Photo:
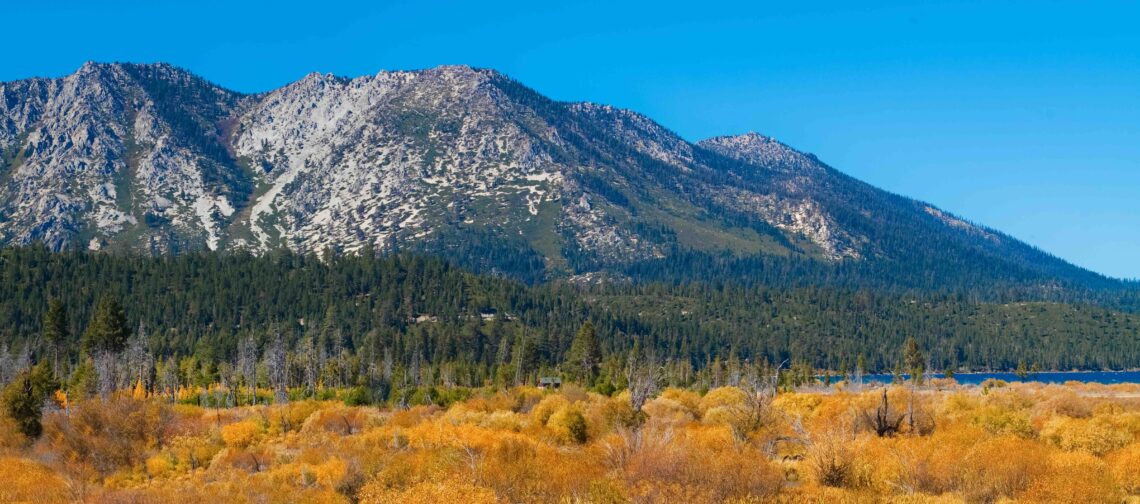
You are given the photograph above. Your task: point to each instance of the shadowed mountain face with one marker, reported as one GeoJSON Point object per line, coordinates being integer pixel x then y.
{"type": "Point", "coordinates": [469, 164]}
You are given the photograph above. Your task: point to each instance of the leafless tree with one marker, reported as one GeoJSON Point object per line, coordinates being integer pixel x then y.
{"type": "Point", "coordinates": [882, 420]}
{"type": "Point", "coordinates": [310, 365]}
{"type": "Point", "coordinates": [139, 362]}
{"type": "Point", "coordinates": [388, 365]}
{"type": "Point", "coordinates": [168, 378]}
{"type": "Point", "coordinates": [247, 365]}
{"type": "Point", "coordinates": [643, 376]}
{"type": "Point", "coordinates": [277, 367]}
{"type": "Point", "coordinates": [106, 372]}
{"type": "Point", "coordinates": [760, 385]}
{"type": "Point", "coordinates": [8, 369]}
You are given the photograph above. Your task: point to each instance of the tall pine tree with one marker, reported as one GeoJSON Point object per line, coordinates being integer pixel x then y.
{"type": "Point", "coordinates": [585, 355]}
{"type": "Point", "coordinates": [24, 398]}
{"type": "Point", "coordinates": [108, 330]}
{"type": "Point", "coordinates": [55, 331]}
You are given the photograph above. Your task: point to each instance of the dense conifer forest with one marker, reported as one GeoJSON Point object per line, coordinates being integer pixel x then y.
{"type": "Point", "coordinates": [400, 321]}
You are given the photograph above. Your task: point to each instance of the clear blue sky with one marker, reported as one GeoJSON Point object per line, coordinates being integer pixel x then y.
{"type": "Point", "coordinates": [1023, 116]}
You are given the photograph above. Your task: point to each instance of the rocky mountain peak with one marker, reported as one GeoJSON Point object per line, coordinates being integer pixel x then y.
{"type": "Point", "coordinates": [453, 159]}
{"type": "Point", "coordinates": [762, 151]}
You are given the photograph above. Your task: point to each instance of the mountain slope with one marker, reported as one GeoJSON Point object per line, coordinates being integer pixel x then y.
{"type": "Point", "coordinates": [467, 163]}
{"type": "Point", "coordinates": [124, 154]}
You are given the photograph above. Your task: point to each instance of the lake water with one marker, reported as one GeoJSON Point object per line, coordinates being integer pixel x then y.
{"type": "Point", "coordinates": [1106, 377]}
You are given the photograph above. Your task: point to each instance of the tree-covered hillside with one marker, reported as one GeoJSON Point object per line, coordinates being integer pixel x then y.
{"type": "Point", "coordinates": [414, 312]}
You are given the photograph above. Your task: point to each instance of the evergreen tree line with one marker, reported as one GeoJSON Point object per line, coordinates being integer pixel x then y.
{"type": "Point", "coordinates": [401, 324]}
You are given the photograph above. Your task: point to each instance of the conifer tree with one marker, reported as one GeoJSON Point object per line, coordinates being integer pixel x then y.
{"type": "Point", "coordinates": [585, 355]}
{"type": "Point", "coordinates": [55, 330]}
{"type": "Point", "coordinates": [914, 360]}
{"type": "Point", "coordinates": [108, 330]}
{"type": "Point", "coordinates": [24, 398]}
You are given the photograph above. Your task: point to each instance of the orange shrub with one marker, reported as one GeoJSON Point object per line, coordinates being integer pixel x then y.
{"type": "Point", "coordinates": [337, 420]}
{"type": "Point", "coordinates": [668, 410]}
{"type": "Point", "coordinates": [22, 480]}
{"type": "Point", "coordinates": [1125, 466]}
{"type": "Point", "coordinates": [10, 436]}
{"type": "Point", "coordinates": [687, 399]}
{"type": "Point", "coordinates": [832, 460]}
{"type": "Point", "coordinates": [249, 460]}
{"type": "Point", "coordinates": [701, 464]}
{"type": "Point", "coordinates": [1074, 477]}
{"type": "Point", "coordinates": [1022, 442]}
{"type": "Point", "coordinates": [108, 435]}
{"type": "Point", "coordinates": [998, 467]}
{"type": "Point", "coordinates": [427, 492]}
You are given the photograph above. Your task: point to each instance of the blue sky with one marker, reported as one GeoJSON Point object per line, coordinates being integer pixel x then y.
{"type": "Point", "coordinates": [1023, 116]}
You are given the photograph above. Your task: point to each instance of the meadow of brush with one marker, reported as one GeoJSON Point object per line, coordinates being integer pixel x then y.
{"type": "Point", "coordinates": [940, 442]}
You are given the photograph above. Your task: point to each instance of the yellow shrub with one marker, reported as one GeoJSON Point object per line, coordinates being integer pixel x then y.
{"type": "Point", "coordinates": [428, 492]}
{"type": "Point", "coordinates": [1097, 436]}
{"type": "Point", "coordinates": [540, 413]}
{"type": "Point", "coordinates": [721, 397]}
{"type": "Point", "coordinates": [503, 420]}
{"type": "Point", "coordinates": [331, 472]}
{"type": "Point", "coordinates": [667, 410]}
{"type": "Point", "coordinates": [290, 416]}
{"type": "Point", "coordinates": [687, 399]}
{"type": "Point", "coordinates": [241, 434]}
{"type": "Point", "coordinates": [191, 452]}
{"type": "Point", "coordinates": [158, 466]}
{"type": "Point", "coordinates": [797, 405]}
{"type": "Point", "coordinates": [605, 413]}
{"type": "Point", "coordinates": [958, 404]}
{"type": "Point", "coordinates": [1125, 466]}
{"type": "Point", "coordinates": [569, 424]}
{"type": "Point", "coordinates": [723, 415]}
{"type": "Point", "coordinates": [1001, 421]}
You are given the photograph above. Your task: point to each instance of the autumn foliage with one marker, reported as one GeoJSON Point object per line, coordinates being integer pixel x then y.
{"type": "Point", "coordinates": [1019, 442]}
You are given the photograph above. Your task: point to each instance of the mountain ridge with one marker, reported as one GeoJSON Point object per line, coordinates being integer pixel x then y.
{"type": "Point", "coordinates": [458, 160]}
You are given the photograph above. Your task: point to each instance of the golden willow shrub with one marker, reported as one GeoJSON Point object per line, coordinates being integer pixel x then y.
{"type": "Point", "coordinates": [23, 480]}
{"type": "Point", "coordinates": [1020, 442]}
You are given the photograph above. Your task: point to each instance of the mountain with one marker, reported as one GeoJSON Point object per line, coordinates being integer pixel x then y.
{"type": "Point", "coordinates": [469, 164]}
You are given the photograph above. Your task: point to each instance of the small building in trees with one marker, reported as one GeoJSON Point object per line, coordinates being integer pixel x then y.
{"type": "Point", "coordinates": [550, 382]}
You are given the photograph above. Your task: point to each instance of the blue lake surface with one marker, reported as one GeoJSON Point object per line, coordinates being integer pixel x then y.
{"type": "Point", "coordinates": [1106, 377]}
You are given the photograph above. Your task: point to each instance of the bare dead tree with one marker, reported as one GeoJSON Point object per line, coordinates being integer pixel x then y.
{"type": "Point", "coordinates": [388, 364]}
{"type": "Point", "coordinates": [310, 363]}
{"type": "Point", "coordinates": [139, 361]}
{"type": "Point", "coordinates": [8, 369]}
{"type": "Point", "coordinates": [106, 372]}
{"type": "Point", "coordinates": [277, 366]}
{"type": "Point", "coordinates": [882, 420]}
{"type": "Point", "coordinates": [760, 385]}
{"type": "Point", "coordinates": [643, 377]}
{"type": "Point", "coordinates": [168, 378]}
{"type": "Point", "coordinates": [247, 366]}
